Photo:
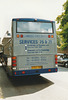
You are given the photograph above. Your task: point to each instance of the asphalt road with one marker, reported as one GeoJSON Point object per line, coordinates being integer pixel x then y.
{"type": "Point", "coordinates": [52, 86]}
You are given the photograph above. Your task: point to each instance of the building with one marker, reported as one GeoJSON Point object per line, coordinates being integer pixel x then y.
{"type": "Point", "coordinates": [6, 43]}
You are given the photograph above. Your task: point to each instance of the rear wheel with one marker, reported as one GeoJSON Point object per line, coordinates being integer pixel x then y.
{"type": "Point", "coordinates": [66, 64]}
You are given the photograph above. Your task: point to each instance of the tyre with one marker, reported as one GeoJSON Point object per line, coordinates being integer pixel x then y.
{"type": "Point", "coordinates": [66, 64]}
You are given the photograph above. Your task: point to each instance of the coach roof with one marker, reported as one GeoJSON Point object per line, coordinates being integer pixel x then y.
{"type": "Point", "coordinates": [31, 19]}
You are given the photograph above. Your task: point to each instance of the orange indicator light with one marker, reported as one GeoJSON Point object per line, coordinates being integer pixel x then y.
{"type": "Point", "coordinates": [52, 36]}
{"type": "Point", "coordinates": [55, 56]}
{"type": "Point", "coordinates": [17, 35]}
{"type": "Point", "coordinates": [13, 57]}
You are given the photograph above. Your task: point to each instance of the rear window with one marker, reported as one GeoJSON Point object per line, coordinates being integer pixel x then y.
{"type": "Point", "coordinates": [43, 27]}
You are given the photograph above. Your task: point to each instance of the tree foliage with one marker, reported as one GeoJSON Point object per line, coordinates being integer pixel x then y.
{"type": "Point", "coordinates": [58, 40]}
{"type": "Point", "coordinates": [63, 20]}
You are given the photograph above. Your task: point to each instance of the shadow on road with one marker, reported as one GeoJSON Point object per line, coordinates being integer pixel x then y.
{"type": "Point", "coordinates": [21, 85]}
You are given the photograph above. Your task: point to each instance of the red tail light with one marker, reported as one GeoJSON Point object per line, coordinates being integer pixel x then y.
{"type": "Point", "coordinates": [48, 36]}
{"type": "Point", "coordinates": [13, 65]}
{"type": "Point", "coordinates": [14, 61]}
{"type": "Point", "coordinates": [49, 70]}
{"type": "Point", "coordinates": [56, 70]}
{"type": "Point", "coordinates": [55, 59]}
{"type": "Point", "coordinates": [23, 72]}
{"type": "Point", "coordinates": [55, 62]}
{"type": "Point", "coordinates": [15, 73]}
{"type": "Point", "coordinates": [21, 36]}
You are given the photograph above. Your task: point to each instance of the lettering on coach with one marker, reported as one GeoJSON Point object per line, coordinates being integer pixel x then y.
{"type": "Point", "coordinates": [35, 42]}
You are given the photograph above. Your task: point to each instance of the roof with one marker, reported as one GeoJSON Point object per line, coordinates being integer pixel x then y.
{"type": "Point", "coordinates": [31, 19]}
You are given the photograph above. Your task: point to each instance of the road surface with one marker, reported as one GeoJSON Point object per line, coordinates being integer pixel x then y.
{"type": "Point", "coordinates": [53, 86]}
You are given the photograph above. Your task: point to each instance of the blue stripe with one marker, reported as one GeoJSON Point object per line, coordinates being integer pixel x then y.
{"type": "Point", "coordinates": [31, 19]}
{"type": "Point", "coordinates": [34, 71]}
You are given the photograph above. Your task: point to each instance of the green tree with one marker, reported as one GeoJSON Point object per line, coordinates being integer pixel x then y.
{"type": "Point", "coordinates": [58, 38]}
{"type": "Point", "coordinates": [58, 41]}
{"type": "Point", "coordinates": [63, 20]}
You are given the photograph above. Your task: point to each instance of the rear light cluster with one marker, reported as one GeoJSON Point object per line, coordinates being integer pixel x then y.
{"type": "Point", "coordinates": [50, 36]}
{"type": "Point", "coordinates": [14, 62]}
{"type": "Point", "coordinates": [55, 59]}
{"type": "Point", "coordinates": [49, 70]}
{"type": "Point", "coordinates": [21, 36]}
{"type": "Point", "coordinates": [16, 73]}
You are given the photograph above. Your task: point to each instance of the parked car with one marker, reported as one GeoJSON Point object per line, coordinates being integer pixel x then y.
{"type": "Point", "coordinates": [62, 59]}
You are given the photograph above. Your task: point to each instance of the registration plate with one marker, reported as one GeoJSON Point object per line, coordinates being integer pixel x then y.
{"type": "Point", "coordinates": [36, 67]}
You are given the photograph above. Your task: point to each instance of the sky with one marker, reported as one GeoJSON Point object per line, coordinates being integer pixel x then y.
{"type": "Point", "coordinates": [44, 9]}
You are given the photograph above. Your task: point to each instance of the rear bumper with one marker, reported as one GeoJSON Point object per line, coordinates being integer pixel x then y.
{"type": "Point", "coordinates": [34, 71]}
